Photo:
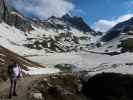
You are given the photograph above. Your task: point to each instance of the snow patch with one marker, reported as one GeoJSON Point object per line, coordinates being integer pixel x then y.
{"type": "Point", "coordinates": [41, 71]}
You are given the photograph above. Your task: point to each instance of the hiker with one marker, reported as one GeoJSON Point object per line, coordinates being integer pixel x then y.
{"type": "Point", "coordinates": [15, 72]}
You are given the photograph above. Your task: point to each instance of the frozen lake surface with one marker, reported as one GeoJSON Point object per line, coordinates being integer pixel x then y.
{"type": "Point", "coordinates": [96, 63]}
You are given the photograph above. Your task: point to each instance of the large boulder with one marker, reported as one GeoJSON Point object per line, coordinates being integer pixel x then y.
{"type": "Point", "coordinates": [109, 86]}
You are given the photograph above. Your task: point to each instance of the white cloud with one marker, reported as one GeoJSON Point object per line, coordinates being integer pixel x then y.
{"type": "Point", "coordinates": [43, 8]}
{"type": "Point", "coordinates": [105, 25]}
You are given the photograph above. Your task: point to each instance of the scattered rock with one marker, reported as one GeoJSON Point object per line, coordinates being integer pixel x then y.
{"type": "Point", "coordinates": [36, 96]}
{"type": "Point", "coordinates": [65, 67]}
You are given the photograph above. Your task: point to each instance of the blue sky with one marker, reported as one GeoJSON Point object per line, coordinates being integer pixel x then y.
{"type": "Point", "coordinates": [95, 10]}
{"type": "Point", "coordinates": [102, 9]}
{"type": "Point", "coordinates": [99, 14]}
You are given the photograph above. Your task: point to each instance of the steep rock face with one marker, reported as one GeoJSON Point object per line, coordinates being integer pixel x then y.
{"type": "Point", "coordinates": [16, 20]}
{"type": "Point", "coordinates": [9, 15]}
{"type": "Point", "coordinates": [77, 22]}
{"type": "Point", "coordinates": [3, 9]}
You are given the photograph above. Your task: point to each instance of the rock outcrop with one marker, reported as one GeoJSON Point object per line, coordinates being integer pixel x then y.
{"type": "Point", "coordinates": [12, 17]}
{"type": "Point", "coordinates": [56, 87]}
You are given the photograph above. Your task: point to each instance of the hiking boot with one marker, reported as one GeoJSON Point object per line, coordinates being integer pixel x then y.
{"type": "Point", "coordinates": [14, 94]}
{"type": "Point", "coordinates": [10, 96]}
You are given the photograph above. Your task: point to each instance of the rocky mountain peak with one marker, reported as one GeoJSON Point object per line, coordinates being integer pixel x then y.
{"type": "Point", "coordinates": [77, 22]}
{"type": "Point", "coordinates": [123, 27]}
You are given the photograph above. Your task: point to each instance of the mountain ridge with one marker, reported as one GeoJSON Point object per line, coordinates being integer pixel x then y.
{"type": "Point", "coordinates": [122, 27]}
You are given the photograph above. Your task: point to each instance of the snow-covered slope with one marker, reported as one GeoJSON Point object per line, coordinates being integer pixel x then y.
{"type": "Point", "coordinates": [13, 39]}
{"type": "Point", "coordinates": [119, 38]}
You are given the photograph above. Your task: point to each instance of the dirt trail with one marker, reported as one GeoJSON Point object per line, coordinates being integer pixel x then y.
{"type": "Point", "coordinates": [22, 87]}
